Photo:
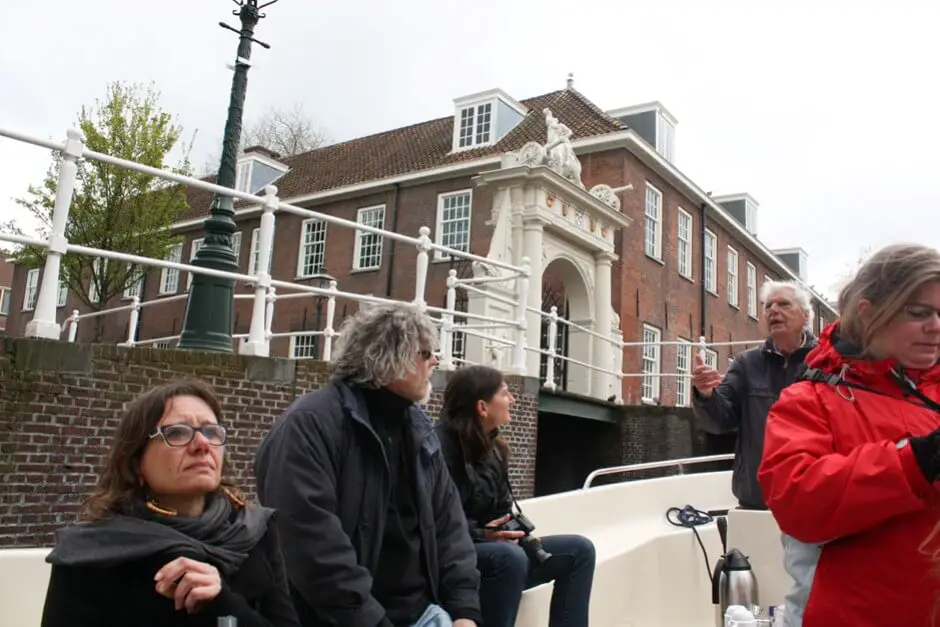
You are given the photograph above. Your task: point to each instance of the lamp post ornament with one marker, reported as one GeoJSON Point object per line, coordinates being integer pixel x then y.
{"type": "Point", "coordinates": [209, 310]}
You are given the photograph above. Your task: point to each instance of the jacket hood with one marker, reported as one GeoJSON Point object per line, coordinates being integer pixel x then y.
{"type": "Point", "coordinates": [836, 354]}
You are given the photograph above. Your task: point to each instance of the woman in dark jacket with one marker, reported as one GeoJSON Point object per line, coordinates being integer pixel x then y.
{"type": "Point", "coordinates": [166, 540]}
{"type": "Point", "coordinates": [476, 404]}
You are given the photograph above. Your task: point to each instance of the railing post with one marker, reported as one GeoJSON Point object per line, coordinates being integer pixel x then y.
{"type": "Point", "coordinates": [43, 323]}
{"type": "Point", "coordinates": [132, 322]}
{"type": "Point", "coordinates": [328, 331]}
{"type": "Point", "coordinates": [73, 325]}
{"type": "Point", "coordinates": [447, 323]}
{"type": "Point", "coordinates": [421, 267]}
{"type": "Point", "coordinates": [701, 347]}
{"type": "Point", "coordinates": [257, 343]}
{"type": "Point", "coordinates": [522, 298]}
{"type": "Point", "coordinates": [552, 336]}
{"type": "Point", "coordinates": [270, 301]}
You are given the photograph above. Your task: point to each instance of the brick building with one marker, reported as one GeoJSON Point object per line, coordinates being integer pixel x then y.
{"type": "Point", "coordinates": [690, 264]}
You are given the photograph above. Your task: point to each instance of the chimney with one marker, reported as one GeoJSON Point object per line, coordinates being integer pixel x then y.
{"type": "Point", "coordinates": [261, 150]}
{"type": "Point", "coordinates": [570, 82]}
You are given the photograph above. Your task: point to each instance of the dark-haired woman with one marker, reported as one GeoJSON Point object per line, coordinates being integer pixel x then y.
{"type": "Point", "coordinates": [476, 404]}
{"type": "Point", "coordinates": [166, 540]}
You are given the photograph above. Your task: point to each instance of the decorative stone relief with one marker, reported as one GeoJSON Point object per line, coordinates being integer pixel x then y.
{"type": "Point", "coordinates": [606, 195]}
{"type": "Point", "coordinates": [557, 153]}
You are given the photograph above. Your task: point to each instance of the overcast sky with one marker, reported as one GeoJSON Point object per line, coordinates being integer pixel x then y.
{"type": "Point", "coordinates": [825, 111]}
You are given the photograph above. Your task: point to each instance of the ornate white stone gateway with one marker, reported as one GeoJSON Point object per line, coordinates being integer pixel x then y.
{"type": "Point", "coordinates": [541, 210]}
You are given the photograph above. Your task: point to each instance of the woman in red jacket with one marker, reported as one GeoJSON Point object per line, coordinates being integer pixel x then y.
{"type": "Point", "coordinates": [851, 456]}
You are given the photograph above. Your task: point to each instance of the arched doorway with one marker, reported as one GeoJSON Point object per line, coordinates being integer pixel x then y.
{"type": "Point", "coordinates": [565, 287]}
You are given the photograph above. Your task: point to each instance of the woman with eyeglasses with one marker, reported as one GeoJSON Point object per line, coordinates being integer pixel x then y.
{"type": "Point", "coordinates": [166, 539]}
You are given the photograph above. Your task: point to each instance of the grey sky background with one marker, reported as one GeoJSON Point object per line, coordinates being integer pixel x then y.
{"type": "Point", "coordinates": [823, 110]}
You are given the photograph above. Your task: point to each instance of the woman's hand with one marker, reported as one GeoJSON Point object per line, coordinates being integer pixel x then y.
{"type": "Point", "coordinates": [490, 531]}
{"type": "Point", "coordinates": [188, 582]}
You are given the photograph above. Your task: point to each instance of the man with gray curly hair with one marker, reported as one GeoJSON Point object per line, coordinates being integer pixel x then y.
{"type": "Point", "coordinates": [372, 526]}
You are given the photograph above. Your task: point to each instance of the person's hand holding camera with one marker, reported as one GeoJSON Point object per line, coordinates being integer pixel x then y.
{"type": "Point", "coordinates": [492, 531]}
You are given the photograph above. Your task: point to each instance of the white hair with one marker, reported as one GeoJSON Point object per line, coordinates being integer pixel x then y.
{"type": "Point", "coordinates": [771, 288]}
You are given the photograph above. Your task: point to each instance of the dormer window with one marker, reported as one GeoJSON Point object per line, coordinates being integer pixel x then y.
{"type": "Point", "coordinates": [750, 216]}
{"type": "Point", "coordinates": [485, 118]}
{"type": "Point", "coordinates": [257, 169]}
{"type": "Point", "coordinates": [665, 137]}
{"type": "Point", "coordinates": [654, 123]}
{"type": "Point", "coordinates": [475, 125]}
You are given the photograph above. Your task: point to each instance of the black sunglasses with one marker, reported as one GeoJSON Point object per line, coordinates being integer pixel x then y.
{"type": "Point", "coordinates": [182, 434]}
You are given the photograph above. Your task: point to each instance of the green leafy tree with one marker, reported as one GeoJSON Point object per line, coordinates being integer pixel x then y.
{"type": "Point", "coordinates": [114, 208]}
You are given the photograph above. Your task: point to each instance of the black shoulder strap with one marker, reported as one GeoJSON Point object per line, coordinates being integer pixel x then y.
{"type": "Point", "coordinates": [908, 387]}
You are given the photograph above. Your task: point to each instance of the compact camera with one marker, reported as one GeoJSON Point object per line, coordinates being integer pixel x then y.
{"type": "Point", "coordinates": [529, 543]}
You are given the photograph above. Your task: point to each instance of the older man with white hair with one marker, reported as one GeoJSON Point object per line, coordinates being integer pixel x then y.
{"type": "Point", "coordinates": [742, 399]}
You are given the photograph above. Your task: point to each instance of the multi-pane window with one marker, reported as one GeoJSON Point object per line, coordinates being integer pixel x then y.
{"type": "Point", "coordinates": [649, 388]}
{"type": "Point", "coordinates": [32, 289]}
{"type": "Point", "coordinates": [684, 238]}
{"type": "Point", "coordinates": [653, 237]}
{"type": "Point", "coordinates": [170, 277]}
{"type": "Point", "coordinates": [458, 343]}
{"type": "Point", "coordinates": [750, 217]}
{"type": "Point", "coordinates": [732, 277]}
{"type": "Point", "coordinates": [99, 268]}
{"type": "Point", "coordinates": [136, 284]}
{"type": "Point", "coordinates": [303, 346]}
{"type": "Point", "coordinates": [475, 125]}
{"type": "Point", "coordinates": [243, 176]}
{"type": "Point", "coordinates": [368, 254]}
{"type": "Point", "coordinates": [683, 372]}
{"type": "Point", "coordinates": [256, 252]}
{"type": "Point", "coordinates": [193, 249]}
{"type": "Point", "coordinates": [62, 296]}
{"type": "Point", "coordinates": [312, 247]}
{"type": "Point", "coordinates": [453, 222]}
{"type": "Point", "coordinates": [5, 295]}
{"type": "Point", "coordinates": [237, 245]}
{"type": "Point", "coordinates": [665, 138]}
{"type": "Point", "coordinates": [751, 290]}
{"type": "Point", "coordinates": [711, 267]}
{"type": "Point", "coordinates": [711, 358]}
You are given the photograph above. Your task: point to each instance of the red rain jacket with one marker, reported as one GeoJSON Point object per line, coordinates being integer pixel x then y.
{"type": "Point", "coordinates": [833, 472]}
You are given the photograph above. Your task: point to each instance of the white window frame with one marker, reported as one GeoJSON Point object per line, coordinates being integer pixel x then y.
{"type": "Point", "coordinates": [440, 255]}
{"type": "Point", "coordinates": [62, 295]}
{"type": "Point", "coordinates": [734, 263]}
{"type": "Point", "coordinates": [750, 216]}
{"type": "Point", "coordinates": [480, 120]}
{"type": "Point", "coordinates": [136, 287]}
{"type": "Point", "coordinates": [193, 249]}
{"type": "Point", "coordinates": [237, 246]}
{"type": "Point", "coordinates": [711, 262]}
{"type": "Point", "coordinates": [684, 244]}
{"type": "Point", "coordinates": [683, 374]}
{"type": "Point", "coordinates": [653, 223]}
{"type": "Point", "coordinates": [31, 290]}
{"type": "Point", "coordinates": [361, 235]}
{"type": "Point", "coordinates": [315, 248]}
{"type": "Point", "coordinates": [751, 290]}
{"type": "Point", "coordinates": [665, 138]}
{"type": "Point", "coordinates": [170, 277]}
{"type": "Point", "coordinates": [96, 268]}
{"type": "Point", "coordinates": [305, 343]}
{"type": "Point", "coordinates": [6, 294]}
{"type": "Point", "coordinates": [255, 252]}
{"type": "Point", "coordinates": [243, 175]}
{"type": "Point", "coordinates": [711, 358]}
{"type": "Point", "coordinates": [651, 364]}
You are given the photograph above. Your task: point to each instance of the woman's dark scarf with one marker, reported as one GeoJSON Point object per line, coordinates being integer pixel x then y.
{"type": "Point", "coordinates": [222, 536]}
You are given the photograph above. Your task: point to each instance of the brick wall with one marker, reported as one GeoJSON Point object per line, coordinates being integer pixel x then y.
{"type": "Point", "coordinates": [59, 404]}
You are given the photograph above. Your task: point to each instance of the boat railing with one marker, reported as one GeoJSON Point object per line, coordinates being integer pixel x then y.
{"type": "Point", "coordinates": [680, 463]}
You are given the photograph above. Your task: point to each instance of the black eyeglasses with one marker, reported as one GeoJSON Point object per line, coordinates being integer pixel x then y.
{"type": "Point", "coordinates": [182, 434]}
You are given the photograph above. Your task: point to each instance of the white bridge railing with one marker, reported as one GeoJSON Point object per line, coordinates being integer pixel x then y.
{"type": "Point", "coordinates": [268, 291]}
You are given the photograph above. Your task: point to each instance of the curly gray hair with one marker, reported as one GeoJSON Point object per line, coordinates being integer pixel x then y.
{"type": "Point", "coordinates": [380, 344]}
{"type": "Point", "coordinates": [800, 294]}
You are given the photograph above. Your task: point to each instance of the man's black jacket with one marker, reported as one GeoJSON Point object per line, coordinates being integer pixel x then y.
{"type": "Point", "coordinates": [324, 469]}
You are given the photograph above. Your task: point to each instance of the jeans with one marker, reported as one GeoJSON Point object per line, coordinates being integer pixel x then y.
{"type": "Point", "coordinates": [434, 616]}
{"type": "Point", "coordinates": [505, 571]}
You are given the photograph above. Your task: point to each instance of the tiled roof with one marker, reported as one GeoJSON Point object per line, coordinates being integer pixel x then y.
{"type": "Point", "coordinates": [420, 147]}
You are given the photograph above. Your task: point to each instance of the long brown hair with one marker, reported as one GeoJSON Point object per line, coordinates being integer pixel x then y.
{"type": "Point", "coordinates": [119, 482]}
{"type": "Point", "coordinates": [887, 280]}
{"type": "Point", "coordinates": [467, 387]}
